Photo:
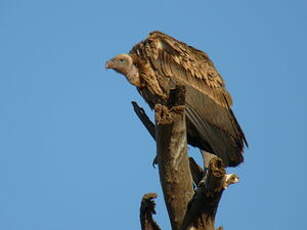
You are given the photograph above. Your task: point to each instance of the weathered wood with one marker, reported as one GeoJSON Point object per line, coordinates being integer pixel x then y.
{"type": "Point", "coordinates": [147, 209]}
{"type": "Point", "coordinates": [140, 112]}
{"type": "Point", "coordinates": [196, 171]}
{"type": "Point", "coordinates": [206, 158]}
{"type": "Point", "coordinates": [171, 139]}
{"type": "Point", "coordinates": [203, 206]}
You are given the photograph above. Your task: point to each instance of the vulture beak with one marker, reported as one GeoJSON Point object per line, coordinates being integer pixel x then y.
{"type": "Point", "coordinates": [109, 64]}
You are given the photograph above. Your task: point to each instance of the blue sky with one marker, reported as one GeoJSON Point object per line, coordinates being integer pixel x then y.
{"type": "Point", "coordinates": [74, 156]}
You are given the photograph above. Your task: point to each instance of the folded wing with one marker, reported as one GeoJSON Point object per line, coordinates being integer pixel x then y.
{"type": "Point", "coordinates": [210, 117]}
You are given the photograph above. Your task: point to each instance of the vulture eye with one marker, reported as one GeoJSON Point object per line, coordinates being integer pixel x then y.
{"type": "Point", "coordinates": [122, 60]}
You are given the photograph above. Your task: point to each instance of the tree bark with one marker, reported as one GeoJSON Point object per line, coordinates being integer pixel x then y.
{"type": "Point", "coordinates": [140, 112]}
{"type": "Point", "coordinates": [173, 161]}
{"type": "Point", "coordinates": [147, 209]}
{"type": "Point", "coordinates": [202, 208]}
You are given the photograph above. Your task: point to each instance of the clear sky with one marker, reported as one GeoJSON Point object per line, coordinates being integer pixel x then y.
{"type": "Point", "coordinates": [73, 155]}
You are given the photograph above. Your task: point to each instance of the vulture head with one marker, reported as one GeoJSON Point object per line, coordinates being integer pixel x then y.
{"type": "Point", "coordinates": [123, 64]}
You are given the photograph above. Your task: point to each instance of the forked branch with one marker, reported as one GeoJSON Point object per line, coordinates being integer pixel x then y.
{"type": "Point", "coordinates": [187, 209]}
{"type": "Point", "coordinates": [202, 208]}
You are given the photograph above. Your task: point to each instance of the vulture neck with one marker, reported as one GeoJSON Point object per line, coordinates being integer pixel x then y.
{"type": "Point", "coordinates": [133, 76]}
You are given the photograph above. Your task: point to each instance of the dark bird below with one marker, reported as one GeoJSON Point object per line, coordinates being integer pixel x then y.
{"type": "Point", "coordinates": [159, 63]}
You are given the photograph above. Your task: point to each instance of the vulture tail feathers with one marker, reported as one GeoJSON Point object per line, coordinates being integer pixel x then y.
{"type": "Point", "coordinates": [238, 127]}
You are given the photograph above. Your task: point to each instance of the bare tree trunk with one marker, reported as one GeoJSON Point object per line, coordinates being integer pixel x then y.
{"type": "Point", "coordinates": [174, 170]}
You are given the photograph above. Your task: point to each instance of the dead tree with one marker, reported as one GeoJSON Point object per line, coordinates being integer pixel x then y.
{"type": "Point", "coordinates": [188, 206]}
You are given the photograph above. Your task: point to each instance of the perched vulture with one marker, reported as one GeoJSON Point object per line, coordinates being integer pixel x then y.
{"type": "Point", "coordinates": [158, 63]}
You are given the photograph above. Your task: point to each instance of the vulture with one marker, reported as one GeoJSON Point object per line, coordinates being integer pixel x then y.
{"type": "Point", "coordinates": [159, 63]}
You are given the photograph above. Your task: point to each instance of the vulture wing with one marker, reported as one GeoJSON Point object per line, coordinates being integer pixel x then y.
{"type": "Point", "coordinates": [208, 102]}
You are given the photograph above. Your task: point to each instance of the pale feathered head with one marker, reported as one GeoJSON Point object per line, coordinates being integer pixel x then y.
{"type": "Point", "coordinates": [123, 64]}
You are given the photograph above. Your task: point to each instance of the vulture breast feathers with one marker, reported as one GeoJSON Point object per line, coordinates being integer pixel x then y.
{"type": "Point", "coordinates": [159, 63]}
